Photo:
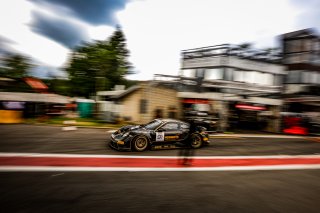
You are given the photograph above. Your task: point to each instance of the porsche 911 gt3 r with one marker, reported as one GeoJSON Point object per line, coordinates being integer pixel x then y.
{"type": "Point", "coordinates": [158, 133]}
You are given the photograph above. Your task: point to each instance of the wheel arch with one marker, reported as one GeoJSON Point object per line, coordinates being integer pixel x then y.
{"type": "Point", "coordinates": [140, 135]}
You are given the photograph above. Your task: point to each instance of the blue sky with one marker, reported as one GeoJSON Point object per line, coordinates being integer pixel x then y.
{"type": "Point", "coordinates": [156, 30]}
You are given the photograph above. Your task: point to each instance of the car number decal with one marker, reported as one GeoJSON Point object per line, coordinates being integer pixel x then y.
{"type": "Point", "coordinates": [160, 136]}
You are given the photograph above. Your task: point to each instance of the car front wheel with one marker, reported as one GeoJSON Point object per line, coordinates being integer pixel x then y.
{"type": "Point", "coordinates": [140, 143]}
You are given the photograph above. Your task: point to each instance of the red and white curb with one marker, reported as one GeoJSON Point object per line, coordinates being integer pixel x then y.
{"type": "Point", "coordinates": [71, 162]}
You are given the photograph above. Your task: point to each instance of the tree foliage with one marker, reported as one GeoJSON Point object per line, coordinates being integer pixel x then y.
{"type": "Point", "coordinates": [15, 66]}
{"type": "Point", "coordinates": [58, 86]}
{"type": "Point", "coordinates": [99, 65]}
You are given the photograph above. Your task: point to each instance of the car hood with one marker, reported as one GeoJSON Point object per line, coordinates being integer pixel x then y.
{"type": "Point", "coordinates": [133, 129]}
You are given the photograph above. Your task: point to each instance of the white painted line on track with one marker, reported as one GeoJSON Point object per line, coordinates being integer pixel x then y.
{"type": "Point", "coordinates": [9, 154]}
{"type": "Point", "coordinates": [151, 169]}
{"type": "Point", "coordinates": [254, 136]}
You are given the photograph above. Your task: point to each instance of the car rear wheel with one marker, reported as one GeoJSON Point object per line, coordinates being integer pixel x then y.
{"type": "Point", "coordinates": [140, 143]}
{"type": "Point", "coordinates": [196, 141]}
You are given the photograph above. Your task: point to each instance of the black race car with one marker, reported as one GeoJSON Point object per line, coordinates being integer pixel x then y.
{"type": "Point", "coordinates": [158, 134]}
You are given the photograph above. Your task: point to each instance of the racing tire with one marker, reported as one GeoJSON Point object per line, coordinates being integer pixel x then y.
{"type": "Point", "coordinates": [140, 143]}
{"type": "Point", "coordinates": [196, 141]}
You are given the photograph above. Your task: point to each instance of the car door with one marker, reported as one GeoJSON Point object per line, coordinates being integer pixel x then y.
{"type": "Point", "coordinates": [168, 132]}
{"type": "Point", "coordinates": [185, 130]}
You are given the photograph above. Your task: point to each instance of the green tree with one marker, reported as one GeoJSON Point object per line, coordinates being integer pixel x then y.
{"type": "Point", "coordinates": [99, 65]}
{"type": "Point", "coordinates": [58, 86]}
{"type": "Point", "coordinates": [16, 66]}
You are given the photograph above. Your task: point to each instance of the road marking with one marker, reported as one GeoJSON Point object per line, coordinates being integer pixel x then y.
{"type": "Point", "coordinates": [254, 136]}
{"type": "Point", "coordinates": [57, 174]}
{"type": "Point", "coordinates": [27, 154]}
{"type": "Point", "coordinates": [56, 162]}
{"type": "Point", "coordinates": [149, 169]}
{"type": "Point", "coordinates": [225, 136]}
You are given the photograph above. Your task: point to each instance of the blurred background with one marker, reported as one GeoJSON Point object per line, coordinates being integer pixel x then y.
{"type": "Point", "coordinates": [250, 66]}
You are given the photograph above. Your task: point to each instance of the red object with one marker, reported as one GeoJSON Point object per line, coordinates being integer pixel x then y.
{"type": "Point", "coordinates": [195, 101]}
{"type": "Point", "coordinates": [36, 84]}
{"type": "Point", "coordinates": [293, 126]}
{"type": "Point", "coordinates": [250, 107]}
{"type": "Point", "coordinates": [151, 162]}
{"type": "Point", "coordinates": [296, 130]}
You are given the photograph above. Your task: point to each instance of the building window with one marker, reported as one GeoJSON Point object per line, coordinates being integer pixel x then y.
{"type": "Point", "coordinates": [200, 73]}
{"type": "Point", "coordinates": [267, 79]}
{"type": "Point", "coordinates": [251, 77]}
{"type": "Point", "coordinates": [294, 76]}
{"type": "Point", "coordinates": [214, 74]}
{"type": "Point", "coordinates": [306, 45]}
{"type": "Point", "coordinates": [310, 77]}
{"type": "Point", "coordinates": [143, 106]}
{"type": "Point", "coordinates": [278, 80]}
{"type": "Point", "coordinates": [228, 74]}
{"type": "Point", "coordinates": [189, 73]}
{"type": "Point", "coordinates": [172, 112]}
{"type": "Point", "coordinates": [316, 45]}
{"type": "Point", "coordinates": [296, 46]}
{"type": "Point", "coordinates": [315, 78]}
{"type": "Point", "coordinates": [286, 47]}
{"type": "Point", "coordinates": [239, 75]}
{"type": "Point", "coordinates": [306, 77]}
{"type": "Point", "coordinates": [158, 113]}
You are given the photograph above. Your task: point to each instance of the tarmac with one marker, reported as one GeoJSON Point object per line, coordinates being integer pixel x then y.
{"type": "Point", "coordinates": [212, 134]}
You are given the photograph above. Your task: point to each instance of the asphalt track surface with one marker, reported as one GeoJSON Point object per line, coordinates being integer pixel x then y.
{"type": "Point", "coordinates": [48, 139]}
{"type": "Point", "coordinates": [237, 191]}
{"type": "Point", "coordinates": [274, 190]}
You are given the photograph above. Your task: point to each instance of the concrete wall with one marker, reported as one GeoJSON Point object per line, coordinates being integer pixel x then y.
{"type": "Point", "coordinates": [157, 98]}
{"type": "Point", "coordinates": [131, 106]}
{"type": "Point", "coordinates": [160, 98]}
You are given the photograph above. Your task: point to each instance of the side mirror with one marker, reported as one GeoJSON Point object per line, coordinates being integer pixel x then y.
{"type": "Point", "coordinates": [161, 130]}
{"type": "Point", "coordinates": [201, 129]}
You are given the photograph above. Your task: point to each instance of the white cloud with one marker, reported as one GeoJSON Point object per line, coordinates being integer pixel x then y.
{"type": "Point", "coordinates": [100, 32]}
{"type": "Point", "coordinates": [15, 27]}
{"type": "Point", "coordinates": [157, 30]}
{"type": "Point", "coordinates": [16, 17]}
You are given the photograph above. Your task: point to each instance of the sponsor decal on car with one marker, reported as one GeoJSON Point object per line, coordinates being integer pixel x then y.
{"type": "Point", "coordinates": [173, 137]}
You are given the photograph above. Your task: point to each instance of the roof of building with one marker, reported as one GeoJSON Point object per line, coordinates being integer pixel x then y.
{"type": "Point", "coordinates": [35, 83]}
{"type": "Point", "coordinates": [115, 94]}
{"type": "Point", "coordinates": [309, 32]}
{"type": "Point", "coordinates": [33, 97]}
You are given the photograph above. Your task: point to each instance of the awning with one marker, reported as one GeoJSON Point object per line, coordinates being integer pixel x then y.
{"type": "Point", "coordinates": [195, 101]}
{"type": "Point", "coordinates": [250, 107]}
{"type": "Point", "coordinates": [33, 97]}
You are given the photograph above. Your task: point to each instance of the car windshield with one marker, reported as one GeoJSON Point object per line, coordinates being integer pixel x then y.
{"type": "Point", "coordinates": [152, 125]}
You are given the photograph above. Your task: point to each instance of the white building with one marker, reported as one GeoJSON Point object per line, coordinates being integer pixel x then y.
{"type": "Point", "coordinates": [234, 82]}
